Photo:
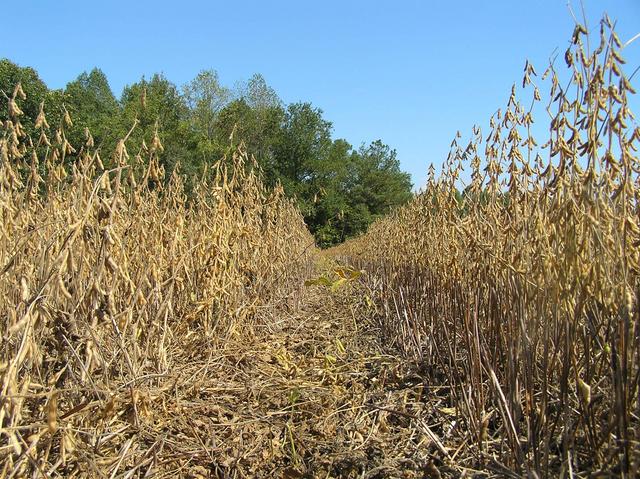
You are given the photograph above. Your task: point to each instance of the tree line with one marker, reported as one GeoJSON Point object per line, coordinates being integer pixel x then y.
{"type": "Point", "coordinates": [339, 189]}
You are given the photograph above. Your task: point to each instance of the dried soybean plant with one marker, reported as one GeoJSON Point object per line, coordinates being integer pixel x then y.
{"type": "Point", "coordinates": [107, 274]}
{"type": "Point", "coordinates": [521, 291]}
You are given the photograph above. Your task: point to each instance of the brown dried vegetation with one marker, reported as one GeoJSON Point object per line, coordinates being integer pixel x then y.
{"type": "Point", "coordinates": [147, 335]}
{"type": "Point", "coordinates": [111, 284]}
{"type": "Point", "coordinates": [521, 293]}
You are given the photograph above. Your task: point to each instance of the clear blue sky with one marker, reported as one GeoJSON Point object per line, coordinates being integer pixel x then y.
{"type": "Point", "coordinates": [411, 73]}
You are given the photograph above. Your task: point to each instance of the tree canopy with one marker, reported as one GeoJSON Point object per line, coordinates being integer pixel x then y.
{"type": "Point", "coordinates": [339, 189]}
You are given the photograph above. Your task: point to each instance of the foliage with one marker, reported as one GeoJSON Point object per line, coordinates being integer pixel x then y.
{"type": "Point", "coordinates": [340, 191]}
{"type": "Point", "coordinates": [239, 123]}
{"type": "Point", "coordinates": [156, 107]}
{"type": "Point", "coordinates": [336, 278]}
{"type": "Point", "coordinates": [35, 90]}
{"type": "Point", "coordinates": [205, 97]}
{"type": "Point", "coordinates": [92, 105]}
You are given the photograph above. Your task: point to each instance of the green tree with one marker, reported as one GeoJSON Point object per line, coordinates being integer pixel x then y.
{"type": "Point", "coordinates": [327, 219]}
{"type": "Point", "coordinates": [258, 94]}
{"type": "Point", "coordinates": [36, 92]}
{"type": "Point", "coordinates": [205, 98]}
{"type": "Point", "coordinates": [157, 103]}
{"type": "Point", "coordinates": [338, 190]}
{"type": "Point", "coordinates": [376, 182]}
{"type": "Point", "coordinates": [91, 103]}
{"type": "Point", "coordinates": [354, 188]}
{"type": "Point", "coordinates": [257, 128]}
{"type": "Point", "coordinates": [303, 146]}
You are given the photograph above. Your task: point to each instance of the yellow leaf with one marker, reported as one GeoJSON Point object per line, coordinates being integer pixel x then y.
{"type": "Point", "coordinates": [450, 411]}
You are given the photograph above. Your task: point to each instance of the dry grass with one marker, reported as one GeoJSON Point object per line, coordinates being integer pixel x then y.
{"type": "Point", "coordinates": [522, 293]}
{"type": "Point", "coordinates": [111, 284]}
